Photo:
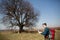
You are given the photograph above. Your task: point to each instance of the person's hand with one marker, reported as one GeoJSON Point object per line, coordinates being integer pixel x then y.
{"type": "Point", "coordinates": [39, 32]}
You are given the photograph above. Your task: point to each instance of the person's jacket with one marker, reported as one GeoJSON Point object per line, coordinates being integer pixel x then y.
{"type": "Point", "coordinates": [46, 32]}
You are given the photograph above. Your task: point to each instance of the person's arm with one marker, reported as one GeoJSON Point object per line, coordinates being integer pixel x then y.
{"type": "Point", "coordinates": [45, 31]}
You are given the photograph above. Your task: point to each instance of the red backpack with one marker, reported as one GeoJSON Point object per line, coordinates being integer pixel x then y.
{"type": "Point", "coordinates": [52, 34]}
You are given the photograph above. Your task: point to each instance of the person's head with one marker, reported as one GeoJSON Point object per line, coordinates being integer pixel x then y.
{"type": "Point", "coordinates": [44, 24]}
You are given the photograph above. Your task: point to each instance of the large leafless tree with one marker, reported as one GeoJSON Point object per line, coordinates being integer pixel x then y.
{"type": "Point", "coordinates": [18, 12]}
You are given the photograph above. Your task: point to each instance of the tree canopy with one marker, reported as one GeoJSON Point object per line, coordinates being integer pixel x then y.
{"type": "Point", "coordinates": [18, 12]}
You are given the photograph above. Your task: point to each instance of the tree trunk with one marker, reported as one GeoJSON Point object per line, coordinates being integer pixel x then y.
{"type": "Point", "coordinates": [20, 29]}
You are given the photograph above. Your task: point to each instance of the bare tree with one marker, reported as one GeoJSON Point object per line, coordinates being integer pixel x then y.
{"type": "Point", "coordinates": [18, 12]}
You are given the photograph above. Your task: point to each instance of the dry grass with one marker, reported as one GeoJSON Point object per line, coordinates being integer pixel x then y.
{"type": "Point", "coordinates": [21, 36]}
{"type": "Point", "coordinates": [25, 36]}
{"type": "Point", "coordinates": [57, 35]}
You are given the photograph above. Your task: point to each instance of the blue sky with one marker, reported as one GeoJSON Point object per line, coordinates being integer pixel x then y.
{"type": "Point", "coordinates": [49, 12]}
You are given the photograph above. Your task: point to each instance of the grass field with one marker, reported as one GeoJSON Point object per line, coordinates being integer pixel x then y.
{"type": "Point", "coordinates": [25, 36]}
{"type": "Point", "coordinates": [57, 35]}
